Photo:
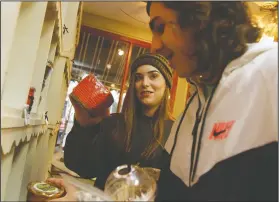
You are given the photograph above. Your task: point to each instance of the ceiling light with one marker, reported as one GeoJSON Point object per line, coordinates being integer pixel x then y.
{"type": "Point", "coordinates": [120, 52]}
{"type": "Point", "coordinates": [108, 66]}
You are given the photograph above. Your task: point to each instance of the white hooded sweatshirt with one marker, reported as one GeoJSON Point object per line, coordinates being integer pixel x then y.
{"type": "Point", "coordinates": [242, 115]}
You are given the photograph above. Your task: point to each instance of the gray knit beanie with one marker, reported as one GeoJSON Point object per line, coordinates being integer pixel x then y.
{"type": "Point", "coordinates": [156, 60]}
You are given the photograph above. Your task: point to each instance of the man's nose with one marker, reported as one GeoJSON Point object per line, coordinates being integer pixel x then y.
{"type": "Point", "coordinates": [157, 44]}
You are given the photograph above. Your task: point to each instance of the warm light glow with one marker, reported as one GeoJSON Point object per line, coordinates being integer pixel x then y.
{"type": "Point", "coordinates": [267, 39]}
{"type": "Point", "coordinates": [84, 75]}
{"type": "Point", "coordinates": [120, 52]}
{"type": "Point", "coordinates": [136, 182]}
{"type": "Point", "coordinates": [108, 66]}
{"type": "Point", "coordinates": [112, 85]}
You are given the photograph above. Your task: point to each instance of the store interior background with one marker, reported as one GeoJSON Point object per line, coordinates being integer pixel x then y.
{"type": "Point", "coordinates": [46, 49]}
{"type": "Point", "coordinates": [103, 50]}
{"type": "Point", "coordinates": [105, 37]}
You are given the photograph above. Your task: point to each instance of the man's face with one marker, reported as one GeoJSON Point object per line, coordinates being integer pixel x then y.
{"type": "Point", "coordinates": [169, 40]}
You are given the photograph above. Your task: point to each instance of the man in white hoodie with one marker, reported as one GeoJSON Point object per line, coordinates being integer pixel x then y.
{"type": "Point", "coordinates": [224, 146]}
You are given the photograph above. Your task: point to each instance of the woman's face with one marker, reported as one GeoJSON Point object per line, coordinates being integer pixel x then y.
{"type": "Point", "coordinates": [150, 86]}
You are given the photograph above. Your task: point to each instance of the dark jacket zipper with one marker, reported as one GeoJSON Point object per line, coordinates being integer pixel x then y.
{"type": "Point", "coordinates": [194, 134]}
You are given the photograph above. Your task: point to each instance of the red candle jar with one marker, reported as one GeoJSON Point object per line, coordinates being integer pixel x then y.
{"type": "Point", "coordinates": [92, 95]}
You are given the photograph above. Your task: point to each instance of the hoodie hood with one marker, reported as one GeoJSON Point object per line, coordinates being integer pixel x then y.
{"type": "Point", "coordinates": [253, 50]}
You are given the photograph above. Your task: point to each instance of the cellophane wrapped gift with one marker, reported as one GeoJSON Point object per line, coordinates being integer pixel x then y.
{"type": "Point", "coordinates": [92, 95]}
{"type": "Point", "coordinates": [84, 191]}
{"type": "Point", "coordinates": [131, 183]}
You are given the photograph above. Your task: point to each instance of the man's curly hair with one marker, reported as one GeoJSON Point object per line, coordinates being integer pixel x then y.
{"type": "Point", "coordinates": [222, 31]}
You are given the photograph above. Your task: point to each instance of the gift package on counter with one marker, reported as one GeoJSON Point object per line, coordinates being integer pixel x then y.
{"type": "Point", "coordinates": [92, 95]}
{"type": "Point", "coordinates": [152, 172]}
{"type": "Point", "coordinates": [84, 191]}
{"type": "Point", "coordinates": [131, 183]}
{"type": "Point", "coordinates": [125, 183]}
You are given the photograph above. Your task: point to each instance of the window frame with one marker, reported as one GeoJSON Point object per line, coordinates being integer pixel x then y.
{"type": "Point", "coordinates": [132, 42]}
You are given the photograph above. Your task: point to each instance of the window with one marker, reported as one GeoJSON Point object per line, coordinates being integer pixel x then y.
{"type": "Point", "coordinates": [107, 56]}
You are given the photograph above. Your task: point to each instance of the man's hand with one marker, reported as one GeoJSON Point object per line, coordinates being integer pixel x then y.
{"type": "Point", "coordinates": [70, 189]}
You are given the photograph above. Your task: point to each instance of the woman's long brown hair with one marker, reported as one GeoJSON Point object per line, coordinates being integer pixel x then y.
{"type": "Point", "coordinates": [132, 106]}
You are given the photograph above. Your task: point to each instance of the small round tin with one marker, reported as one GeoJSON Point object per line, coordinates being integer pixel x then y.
{"type": "Point", "coordinates": [44, 191]}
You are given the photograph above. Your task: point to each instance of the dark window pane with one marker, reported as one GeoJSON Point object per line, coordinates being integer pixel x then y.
{"type": "Point", "coordinates": [104, 57]}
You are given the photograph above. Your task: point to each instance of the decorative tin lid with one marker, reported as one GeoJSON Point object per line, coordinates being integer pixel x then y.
{"type": "Point", "coordinates": [45, 189]}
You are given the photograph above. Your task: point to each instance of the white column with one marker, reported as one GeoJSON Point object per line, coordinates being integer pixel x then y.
{"type": "Point", "coordinates": [69, 19]}
{"type": "Point", "coordinates": [16, 174]}
{"type": "Point", "coordinates": [30, 161]}
{"type": "Point", "coordinates": [42, 106]}
{"type": "Point", "coordinates": [53, 96]}
{"type": "Point", "coordinates": [6, 166]}
{"type": "Point", "coordinates": [22, 57]}
{"type": "Point", "coordinates": [42, 57]}
{"type": "Point", "coordinates": [9, 17]}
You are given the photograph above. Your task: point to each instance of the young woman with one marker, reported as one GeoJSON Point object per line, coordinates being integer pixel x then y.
{"type": "Point", "coordinates": [96, 146]}
{"type": "Point", "coordinates": [224, 146]}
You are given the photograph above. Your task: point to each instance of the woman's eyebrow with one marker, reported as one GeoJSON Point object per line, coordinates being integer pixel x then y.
{"type": "Point", "coordinates": [149, 72]}
{"type": "Point", "coordinates": [152, 71]}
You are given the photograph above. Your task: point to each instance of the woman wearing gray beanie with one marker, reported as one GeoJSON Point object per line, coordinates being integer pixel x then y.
{"type": "Point", "coordinates": [96, 146]}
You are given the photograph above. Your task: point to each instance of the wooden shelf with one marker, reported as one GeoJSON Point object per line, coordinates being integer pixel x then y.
{"type": "Point", "coordinates": [32, 36]}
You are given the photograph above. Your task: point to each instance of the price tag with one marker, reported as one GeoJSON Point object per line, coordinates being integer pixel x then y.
{"type": "Point", "coordinates": [26, 115]}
